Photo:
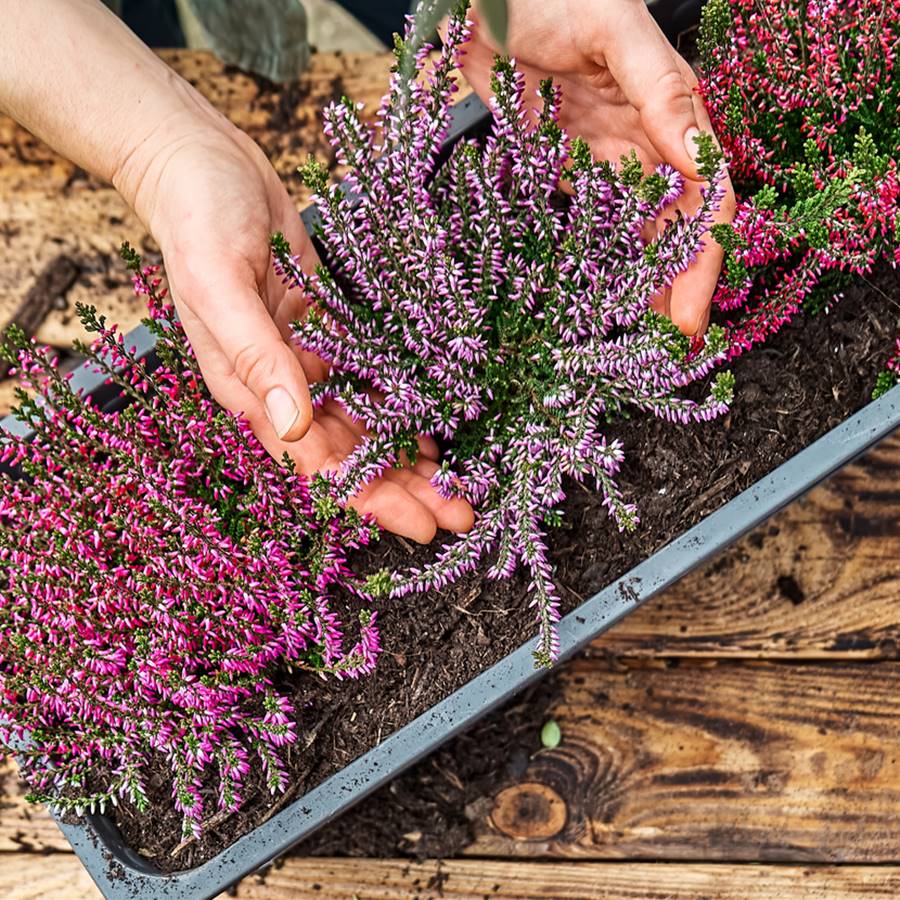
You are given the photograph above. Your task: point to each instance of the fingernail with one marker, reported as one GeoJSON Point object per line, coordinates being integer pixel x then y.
{"type": "Point", "coordinates": [281, 410]}
{"type": "Point", "coordinates": [689, 144]}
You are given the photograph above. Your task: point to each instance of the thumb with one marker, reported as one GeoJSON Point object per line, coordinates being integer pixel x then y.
{"type": "Point", "coordinates": [645, 66]}
{"type": "Point", "coordinates": [258, 355]}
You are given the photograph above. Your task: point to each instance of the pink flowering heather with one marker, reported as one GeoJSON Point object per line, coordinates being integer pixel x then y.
{"type": "Point", "coordinates": [157, 569]}
{"type": "Point", "coordinates": [488, 308]}
{"type": "Point", "coordinates": [805, 98]}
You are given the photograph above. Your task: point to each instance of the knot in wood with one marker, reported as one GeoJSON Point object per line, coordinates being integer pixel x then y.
{"type": "Point", "coordinates": [529, 812]}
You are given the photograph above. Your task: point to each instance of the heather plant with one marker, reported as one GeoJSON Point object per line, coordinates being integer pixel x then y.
{"type": "Point", "coordinates": [499, 300]}
{"type": "Point", "coordinates": [158, 571]}
{"type": "Point", "coordinates": [804, 96]}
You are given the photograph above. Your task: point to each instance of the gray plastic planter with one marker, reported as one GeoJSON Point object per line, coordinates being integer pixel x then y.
{"type": "Point", "coordinates": [121, 873]}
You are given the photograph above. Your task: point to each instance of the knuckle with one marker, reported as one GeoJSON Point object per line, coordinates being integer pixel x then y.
{"type": "Point", "coordinates": [672, 91]}
{"type": "Point", "coordinates": [254, 366]}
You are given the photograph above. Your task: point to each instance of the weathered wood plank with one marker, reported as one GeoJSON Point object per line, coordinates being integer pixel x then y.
{"type": "Point", "coordinates": [24, 826]}
{"type": "Point", "coordinates": [710, 761]}
{"type": "Point", "coordinates": [61, 877]}
{"type": "Point", "coordinates": [819, 580]}
{"type": "Point", "coordinates": [368, 879]}
{"type": "Point", "coordinates": [56, 876]}
{"type": "Point", "coordinates": [49, 208]}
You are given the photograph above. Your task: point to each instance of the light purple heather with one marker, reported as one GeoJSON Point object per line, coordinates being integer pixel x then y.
{"type": "Point", "coordinates": [158, 573]}
{"type": "Point", "coordinates": [492, 311]}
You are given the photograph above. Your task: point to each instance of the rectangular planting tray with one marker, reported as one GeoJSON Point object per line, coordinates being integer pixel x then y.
{"type": "Point", "coordinates": [122, 874]}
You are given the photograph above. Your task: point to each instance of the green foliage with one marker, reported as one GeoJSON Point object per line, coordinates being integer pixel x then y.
{"type": "Point", "coordinates": [734, 111]}
{"type": "Point", "coordinates": [865, 156]}
{"type": "Point", "coordinates": [379, 584]}
{"type": "Point", "coordinates": [766, 197]}
{"type": "Point", "coordinates": [716, 339]}
{"type": "Point", "coordinates": [580, 154]}
{"type": "Point", "coordinates": [669, 335]}
{"type": "Point", "coordinates": [631, 171]}
{"type": "Point", "coordinates": [324, 504]}
{"type": "Point", "coordinates": [723, 387]}
{"type": "Point", "coordinates": [131, 258]}
{"type": "Point", "coordinates": [803, 180]}
{"type": "Point", "coordinates": [883, 383]}
{"type": "Point", "coordinates": [652, 188]}
{"type": "Point", "coordinates": [736, 272]}
{"type": "Point", "coordinates": [715, 22]}
{"type": "Point", "coordinates": [314, 175]}
{"type": "Point", "coordinates": [708, 156]}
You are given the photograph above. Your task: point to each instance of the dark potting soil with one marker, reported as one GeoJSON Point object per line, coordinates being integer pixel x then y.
{"type": "Point", "coordinates": [804, 382]}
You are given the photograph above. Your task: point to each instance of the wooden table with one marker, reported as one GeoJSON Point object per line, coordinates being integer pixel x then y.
{"type": "Point", "coordinates": [738, 737]}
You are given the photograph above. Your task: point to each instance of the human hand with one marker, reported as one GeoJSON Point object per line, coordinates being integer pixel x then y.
{"type": "Point", "coordinates": [210, 198]}
{"type": "Point", "coordinates": [624, 87]}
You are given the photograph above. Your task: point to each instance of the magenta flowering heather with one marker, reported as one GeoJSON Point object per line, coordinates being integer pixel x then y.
{"type": "Point", "coordinates": [487, 308]}
{"type": "Point", "coordinates": [805, 98]}
{"type": "Point", "coordinates": [157, 569]}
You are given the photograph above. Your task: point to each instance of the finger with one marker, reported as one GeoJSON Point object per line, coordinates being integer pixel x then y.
{"type": "Point", "coordinates": [326, 446]}
{"type": "Point", "coordinates": [256, 352]}
{"type": "Point", "coordinates": [396, 510]}
{"type": "Point", "coordinates": [645, 67]}
{"type": "Point", "coordinates": [662, 302]}
{"type": "Point", "coordinates": [454, 515]}
{"type": "Point", "coordinates": [287, 303]}
{"type": "Point", "coordinates": [451, 515]}
{"type": "Point", "coordinates": [428, 448]}
{"type": "Point", "coordinates": [693, 290]}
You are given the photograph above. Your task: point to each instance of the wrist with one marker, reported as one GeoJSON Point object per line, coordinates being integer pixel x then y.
{"type": "Point", "coordinates": [177, 117]}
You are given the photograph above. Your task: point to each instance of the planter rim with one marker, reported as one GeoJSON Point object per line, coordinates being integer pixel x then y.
{"type": "Point", "coordinates": [122, 873]}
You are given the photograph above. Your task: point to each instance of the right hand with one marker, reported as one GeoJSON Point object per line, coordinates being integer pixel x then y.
{"type": "Point", "coordinates": [211, 199]}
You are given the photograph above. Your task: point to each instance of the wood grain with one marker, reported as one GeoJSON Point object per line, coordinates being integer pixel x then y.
{"type": "Point", "coordinates": [821, 580]}
{"type": "Point", "coordinates": [478, 879]}
{"type": "Point", "coordinates": [715, 760]}
{"type": "Point", "coordinates": [23, 826]}
{"type": "Point", "coordinates": [31, 876]}
{"type": "Point", "coordinates": [60, 877]}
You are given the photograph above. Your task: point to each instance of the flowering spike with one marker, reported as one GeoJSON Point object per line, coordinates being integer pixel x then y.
{"type": "Point", "coordinates": [805, 98]}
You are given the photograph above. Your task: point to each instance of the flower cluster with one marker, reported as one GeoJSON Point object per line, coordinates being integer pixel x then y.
{"type": "Point", "coordinates": [805, 98]}
{"type": "Point", "coordinates": [890, 376]}
{"type": "Point", "coordinates": [499, 300]}
{"type": "Point", "coordinates": [157, 570]}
